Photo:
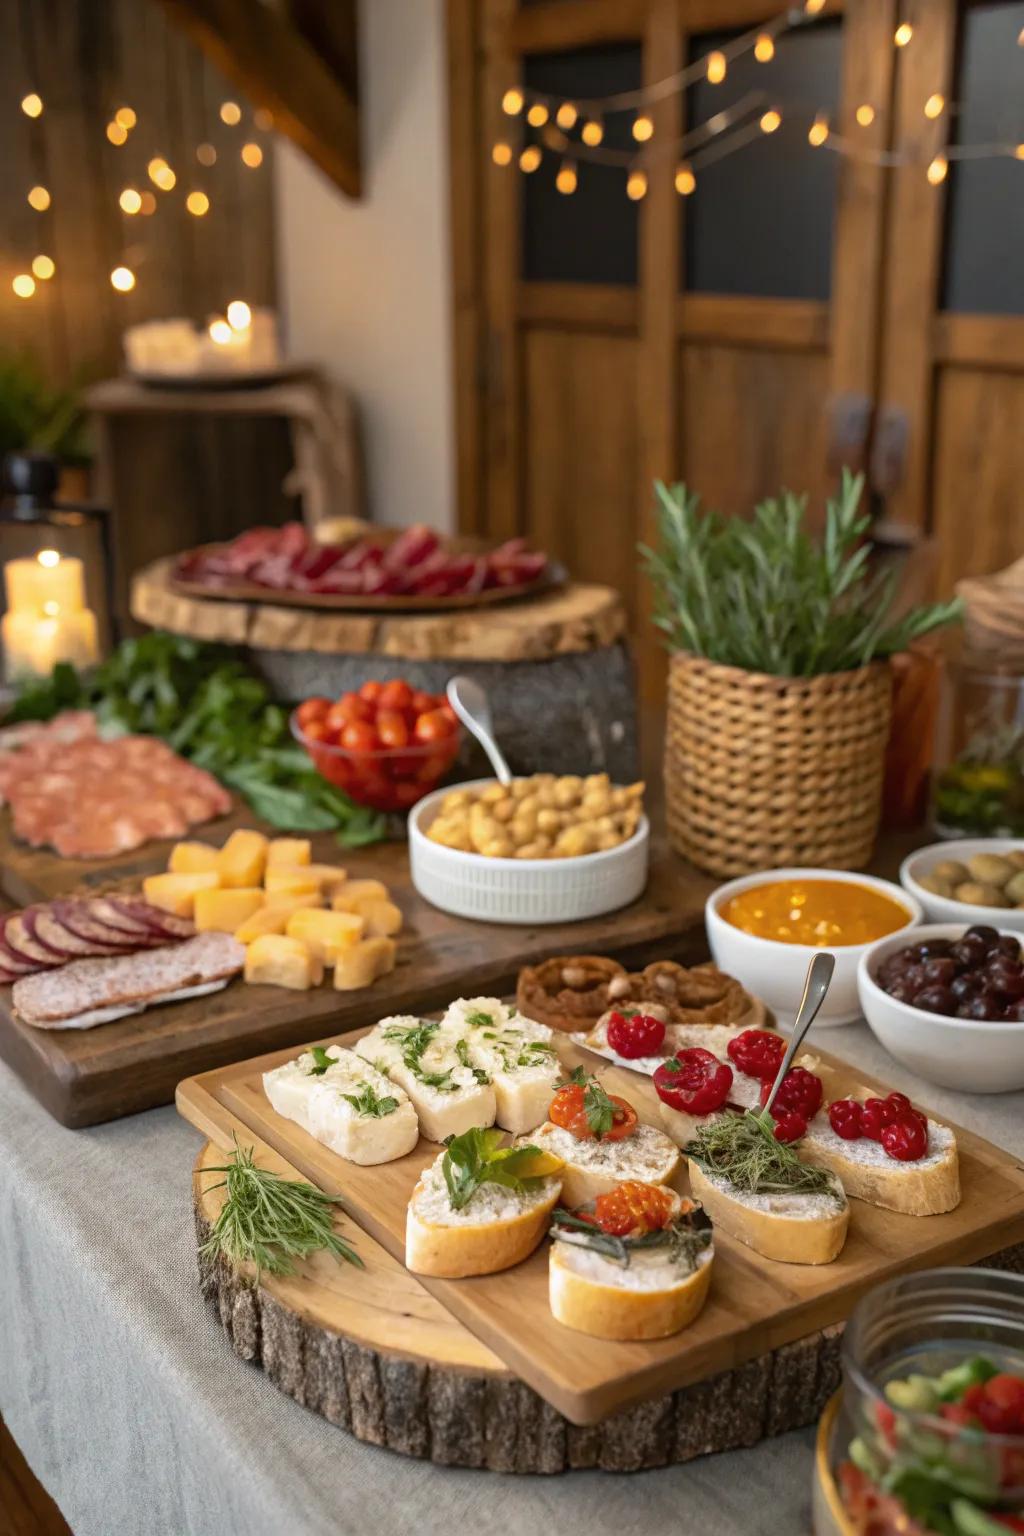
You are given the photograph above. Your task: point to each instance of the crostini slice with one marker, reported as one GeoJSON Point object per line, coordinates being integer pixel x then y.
{"type": "Point", "coordinates": [345, 1103]}
{"type": "Point", "coordinates": [601, 1142]}
{"type": "Point", "coordinates": [449, 1095]}
{"type": "Point", "coordinates": [480, 1207]}
{"type": "Point", "coordinates": [924, 1186]}
{"type": "Point", "coordinates": [712, 1037]}
{"type": "Point", "coordinates": [647, 1283]}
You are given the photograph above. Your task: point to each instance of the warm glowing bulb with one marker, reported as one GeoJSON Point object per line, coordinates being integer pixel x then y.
{"type": "Point", "coordinates": [148, 204]}
{"type": "Point", "coordinates": [716, 67]}
{"type": "Point", "coordinates": [239, 315]}
{"type": "Point", "coordinates": [770, 120]}
{"type": "Point", "coordinates": [49, 558]}
{"type": "Point", "coordinates": [32, 104]}
{"type": "Point", "coordinates": [512, 102]}
{"type": "Point", "coordinates": [938, 169]}
{"type": "Point", "coordinates": [934, 105]}
{"type": "Point", "coordinates": [24, 285]}
{"type": "Point", "coordinates": [818, 131]}
{"type": "Point", "coordinates": [566, 181]}
{"type": "Point", "coordinates": [566, 116]}
{"type": "Point", "coordinates": [530, 158]}
{"type": "Point", "coordinates": [126, 117]}
{"type": "Point", "coordinates": [865, 114]}
{"type": "Point", "coordinates": [116, 134]}
{"type": "Point", "coordinates": [230, 113]}
{"type": "Point", "coordinates": [130, 200]}
{"type": "Point", "coordinates": [206, 154]}
{"type": "Point", "coordinates": [1019, 152]}
{"type": "Point", "coordinates": [51, 608]}
{"type": "Point", "coordinates": [156, 168]}
{"type": "Point", "coordinates": [764, 48]}
{"type": "Point", "coordinates": [501, 154]}
{"type": "Point", "coordinates": [904, 32]}
{"type": "Point", "coordinates": [592, 132]}
{"type": "Point", "coordinates": [197, 204]}
{"type": "Point", "coordinates": [686, 181]}
{"type": "Point", "coordinates": [636, 185]}
{"type": "Point", "coordinates": [538, 115]}
{"type": "Point", "coordinates": [220, 332]}
{"type": "Point", "coordinates": [44, 267]}
{"type": "Point", "coordinates": [252, 156]}
{"type": "Point", "coordinates": [812, 7]}
{"type": "Point", "coordinates": [123, 279]}
{"type": "Point", "coordinates": [263, 120]}
{"type": "Point", "coordinates": [643, 128]}
{"type": "Point", "coordinates": [39, 199]}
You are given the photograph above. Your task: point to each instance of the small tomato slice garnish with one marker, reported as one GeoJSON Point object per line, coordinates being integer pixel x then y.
{"type": "Point", "coordinates": [569, 1109]}
{"type": "Point", "coordinates": [633, 1209]}
{"type": "Point", "coordinates": [693, 1081]}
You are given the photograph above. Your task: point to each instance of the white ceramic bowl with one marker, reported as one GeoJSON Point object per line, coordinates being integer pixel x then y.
{"type": "Point", "coordinates": [973, 1056]}
{"type": "Point", "coordinates": [941, 909]}
{"type": "Point", "coordinates": [527, 891]}
{"type": "Point", "coordinates": [774, 971]}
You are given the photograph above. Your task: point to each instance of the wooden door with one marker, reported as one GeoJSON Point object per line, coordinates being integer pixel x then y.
{"type": "Point", "coordinates": [728, 337]}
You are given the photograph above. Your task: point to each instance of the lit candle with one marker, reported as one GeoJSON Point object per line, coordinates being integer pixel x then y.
{"type": "Point", "coordinates": [46, 619]}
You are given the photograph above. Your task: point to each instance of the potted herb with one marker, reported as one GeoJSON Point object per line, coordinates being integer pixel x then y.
{"type": "Point", "coordinates": [779, 687]}
{"type": "Point", "coordinates": [34, 414]}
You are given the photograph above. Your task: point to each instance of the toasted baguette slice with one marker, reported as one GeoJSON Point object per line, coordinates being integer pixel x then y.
{"type": "Point", "coordinates": [317, 1101]}
{"type": "Point", "coordinates": [794, 1228]}
{"type": "Point", "coordinates": [498, 1228]}
{"type": "Point", "coordinates": [926, 1187]}
{"type": "Point", "coordinates": [593, 1168]}
{"type": "Point", "coordinates": [678, 1037]}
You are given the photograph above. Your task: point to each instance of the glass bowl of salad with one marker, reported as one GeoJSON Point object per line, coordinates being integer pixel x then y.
{"type": "Point", "coordinates": [930, 1434]}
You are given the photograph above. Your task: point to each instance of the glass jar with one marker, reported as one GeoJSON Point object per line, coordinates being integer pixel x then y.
{"type": "Point", "coordinates": [979, 790]}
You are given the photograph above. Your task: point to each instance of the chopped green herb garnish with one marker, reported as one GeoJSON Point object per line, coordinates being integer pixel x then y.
{"type": "Point", "coordinates": [599, 1109]}
{"type": "Point", "coordinates": [462, 1052]}
{"type": "Point", "coordinates": [321, 1061]}
{"type": "Point", "coordinates": [367, 1102]}
{"type": "Point", "coordinates": [744, 1150]}
{"type": "Point", "coordinates": [479, 1019]}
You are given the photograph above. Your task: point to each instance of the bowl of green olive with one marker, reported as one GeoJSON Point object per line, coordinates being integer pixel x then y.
{"type": "Point", "coordinates": [973, 880]}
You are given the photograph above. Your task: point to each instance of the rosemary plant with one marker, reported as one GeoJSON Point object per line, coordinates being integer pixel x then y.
{"type": "Point", "coordinates": [766, 595]}
{"type": "Point", "coordinates": [744, 1150]}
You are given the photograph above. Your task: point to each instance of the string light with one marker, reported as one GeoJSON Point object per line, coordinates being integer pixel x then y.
{"type": "Point", "coordinates": [263, 120]}
{"type": "Point", "coordinates": [904, 32]}
{"type": "Point", "coordinates": [865, 114]}
{"type": "Point", "coordinates": [817, 133]}
{"type": "Point", "coordinates": [501, 154]}
{"type": "Point", "coordinates": [770, 120]}
{"type": "Point", "coordinates": [230, 113]}
{"type": "Point", "coordinates": [512, 102]}
{"type": "Point", "coordinates": [123, 279]}
{"type": "Point", "coordinates": [934, 105]}
{"type": "Point", "coordinates": [206, 154]}
{"type": "Point", "coordinates": [764, 48]}
{"type": "Point", "coordinates": [220, 332]}
{"type": "Point", "coordinates": [23, 285]}
{"type": "Point", "coordinates": [239, 315]}
{"type": "Point", "coordinates": [938, 170]}
{"type": "Point", "coordinates": [44, 267]}
{"type": "Point", "coordinates": [538, 115]}
{"type": "Point", "coordinates": [197, 204]}
{"type": "Point", "coordinates": [39, 199]}
{"type": "Point", "coordinates": [592, 132]}
{"type": "Point", "coordinates": [126, 117]}
{"type": "Point", "coordinates": [148, 204]}
{"type": "Point", "coordinates": [716, 67]}
{"type": "Point", "coordinates": [32, 104]}
{"type": "Point", "coordinates": [130, 200]}
{"type": "Point", "coordinates": [643, 128]}
{"type": "Point", "coordinates": [116, 133]}
{"type": "Point", "coordinates": [636, 185]}
{"type": "Point", "coordinates": [686, 181]}
{"type": "Point", "coordinates": [566, 116]}
{"type": "Point", "coordinates": [567, 180]}
{"type": "Point", "coordinates": [252, 156]}
{"type": "Point", "coordinates": [160, 174]}
{"type": "Point", "coordinates": [530, 158]}
{"type": "Point", "coordinates": [813, 7]}
{"type": "Point", "coordinates": [1019, 152]}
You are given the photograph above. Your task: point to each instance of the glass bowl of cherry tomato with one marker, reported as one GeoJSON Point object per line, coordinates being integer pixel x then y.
{"type": "Point", "coordinates": [386, 745]}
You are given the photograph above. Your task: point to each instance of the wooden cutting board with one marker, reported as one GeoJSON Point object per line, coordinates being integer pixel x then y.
{"type": "Point", "coordinates": [87, 1076]}
{"type": "Point", "coordinates": [756, 1305]}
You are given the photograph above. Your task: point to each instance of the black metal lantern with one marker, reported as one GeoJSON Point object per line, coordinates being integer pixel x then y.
{"type": "Point", "coordinates": [58, 570]}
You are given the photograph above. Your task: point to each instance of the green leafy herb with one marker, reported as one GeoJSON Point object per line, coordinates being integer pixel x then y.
{"type": "Point", "coordinates": [462, 1052]}
{"type": "Point", "coordinates": [321, 1061]}
{"type": "Point", "coordinates": [683, 1239]}
{"type": "Point", "coordinates": [414, 1039]}
{"type": "Point", "coordinates": [477, 1157]}
{"type": "Point", "coordinates": [367, 1102]}
{"type": "Point", "coordinates": [768, 596]}
{"type": "Point", "coordinates": [598, 1107]}
{"type": "Point", "coordinates": [270, 1221]}
{"type": "Point", "coordinates": [744, 1150]}
{"type": "Point", "coordinates": [479, 1019]}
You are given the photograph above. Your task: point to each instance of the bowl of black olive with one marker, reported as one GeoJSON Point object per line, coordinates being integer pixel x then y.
{"type": "Point", "coordinates": [950, 1004]}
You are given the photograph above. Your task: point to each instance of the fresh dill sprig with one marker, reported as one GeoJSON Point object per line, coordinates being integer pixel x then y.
{"type": "Point", "coordinates": [269, 1221]}
{"type": "Point", "coordinates": [744, 1150]}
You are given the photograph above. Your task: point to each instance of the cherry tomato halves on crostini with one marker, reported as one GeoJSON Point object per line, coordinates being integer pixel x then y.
{"type": "Point", "coordinates": [693, 1081]}
{"type": "Point", "coordinates": [634, 1208]}
{"type": "Point", "coordinates": [569, 1109]}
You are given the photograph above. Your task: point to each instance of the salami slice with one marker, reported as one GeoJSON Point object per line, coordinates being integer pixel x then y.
{"type": "Point", "coordinates": [155, 918]}
{"type": "Point", "coordinates": [10, 959]}
{"type": "Point", "coordinates": [77, 917]}
{"type": "Point", "coordinates": [45, 925]}
{"type": "Point", "coordinates": [24, 944]}
{"type": "Point", "coordinates": [102, 910]}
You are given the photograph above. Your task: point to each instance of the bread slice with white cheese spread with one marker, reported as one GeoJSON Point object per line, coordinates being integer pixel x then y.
{"type": "Point", "coordinates": [790, 1226]}
{"type": "Point", "coordinates": [594, 1167]}
{"type": "Point", "coordinates": [514, 1052]}
{"type": "Point", "coordinates": [925, 1186]}
{"type": "Point", "coordinates": [346, 1104]}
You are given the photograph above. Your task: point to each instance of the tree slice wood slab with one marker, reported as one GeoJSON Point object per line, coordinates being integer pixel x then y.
{"type": "Point", "coordinates": [373, 1352]}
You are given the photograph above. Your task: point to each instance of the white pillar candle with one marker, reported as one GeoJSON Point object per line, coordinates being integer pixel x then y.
{"type": "Point", "coordinates": [47, 620]}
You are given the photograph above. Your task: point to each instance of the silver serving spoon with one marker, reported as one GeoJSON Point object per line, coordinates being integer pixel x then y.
{"type": "Point", "coordinates": [819, 975]}
{"type": "Point", "coordinates": [470, 703]}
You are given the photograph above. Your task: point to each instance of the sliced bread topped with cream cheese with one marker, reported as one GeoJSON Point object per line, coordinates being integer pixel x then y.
{"type": "Point", "coordinates": [912, 1167]}
{"type": "Point", "coordinates": [654, 1046]}
{"type": "Point", "coordinates": [345, 1103]}
{"type": "Point", "coordinates": [601, 1141]}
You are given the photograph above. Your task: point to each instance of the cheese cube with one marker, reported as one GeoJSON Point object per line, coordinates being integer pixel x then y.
{"type": "Point", "coordinates": [290, 882]}
{"type": "Point", "coordinates": [381, 919]}
{"type": "Point", "coordinates": [327, 877]}
{"type": "Point", "coordinates": [242, 859]}
{"type": "Point", "coordinates": [177, 893]}
{"type": "Point", "coordinates": [326, 933]}
{"type": "Point", "coordinates": [363, 964]}
{"type": "Point", "coordinates": [353, 892]}
{"type": "Point", "coordinates": [223, 911]}
{"type": "Point", "coordinates": [288, 851]}
{"type": "Point", "coordinates": [272, 917]}
{"type": "Point", "coordinates": [321, 1102]}
{"type": "Point", "coordinates": [193, 859]}
{"type": "Point", "coordinates": [274, 960]}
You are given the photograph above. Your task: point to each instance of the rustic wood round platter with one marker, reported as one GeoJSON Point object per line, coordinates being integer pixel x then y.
{"type": "Point", "coordinates": [374, 1353]}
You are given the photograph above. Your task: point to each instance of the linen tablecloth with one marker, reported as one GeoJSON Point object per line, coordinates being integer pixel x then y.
{"type": "Point", "coordinates": [131, 1408]}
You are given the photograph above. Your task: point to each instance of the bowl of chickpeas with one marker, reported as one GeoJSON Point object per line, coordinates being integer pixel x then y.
{"type": "Point", "coordinates": [973, 880]}
{"type": "Point", "coordinates": [544, 849]}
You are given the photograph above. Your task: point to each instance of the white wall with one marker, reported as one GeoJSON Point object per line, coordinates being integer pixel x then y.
{"type": "Point", "coordinates": [365, 285]}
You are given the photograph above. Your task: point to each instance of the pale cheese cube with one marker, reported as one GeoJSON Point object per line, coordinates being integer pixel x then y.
{"type": "Point", "coordinates": [274, 960]}
{"type": "Point", "coordinates": [447, 1094]}
{"type": "Point", "coordinates": [320, 1102]}
{"type": "Point", "coordinates": [288, 851]}
{"type": "Point", "coordinates": [515, 1052]}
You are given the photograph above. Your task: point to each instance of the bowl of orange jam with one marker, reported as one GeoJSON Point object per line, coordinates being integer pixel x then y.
{"type": "Point", "coordinates": [764, 929]}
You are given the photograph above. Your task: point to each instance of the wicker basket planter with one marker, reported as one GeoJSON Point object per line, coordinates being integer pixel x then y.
{"type": "Point", "coordinates": [764, 771]}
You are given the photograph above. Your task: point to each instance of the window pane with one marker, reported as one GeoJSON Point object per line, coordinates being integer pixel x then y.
{"type": "Point", "coordinates": [760, 221]}
{"type": "Point", "coordinates": [985, 207]}
{"type": "Point", "coordinates": [590, 235]}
